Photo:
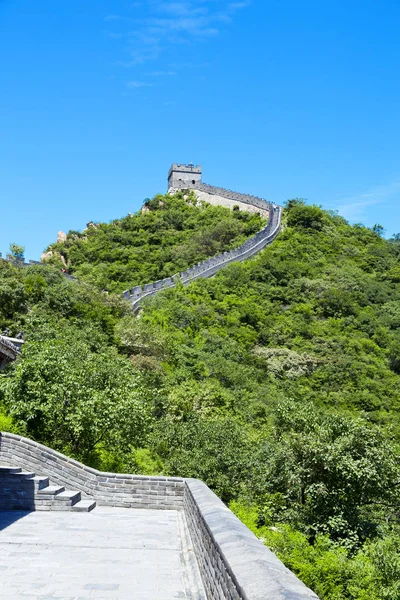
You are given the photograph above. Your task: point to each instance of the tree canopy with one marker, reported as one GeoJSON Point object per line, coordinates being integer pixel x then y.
{"type": "Point", "coordinates": [168, 235]}
{"type": "Point", "coordinates": [276, 382]}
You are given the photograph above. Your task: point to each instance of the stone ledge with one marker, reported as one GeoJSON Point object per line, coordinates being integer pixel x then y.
{"type": "Point", "coordinates": [254, 571]}
{"type": "Point", "coordinates": [234, 564]}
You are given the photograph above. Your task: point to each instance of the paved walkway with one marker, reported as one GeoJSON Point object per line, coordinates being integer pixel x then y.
{"type": "Point", "coordinates": [108, 554]}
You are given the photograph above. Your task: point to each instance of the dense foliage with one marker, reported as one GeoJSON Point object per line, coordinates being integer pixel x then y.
{"type": "Point", "coordinates": [276, 382]}
{"type": "Point", "coordinates": [168, 235]}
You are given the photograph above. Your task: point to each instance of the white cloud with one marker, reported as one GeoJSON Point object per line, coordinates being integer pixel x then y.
{"type": "Point", "coordinates": [166, 23]}
{"type": "Point", "coordinates": [138, 84]}
{"type": "Point", "coordinates": [353, 207]}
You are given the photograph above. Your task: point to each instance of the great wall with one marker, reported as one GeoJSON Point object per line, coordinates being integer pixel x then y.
{"type": "Point", "coordinates": [221, 558]}
{"type": "Point", "coordinates": [188, 177]}
{"type": "Point", "coordinates": [212, 555]}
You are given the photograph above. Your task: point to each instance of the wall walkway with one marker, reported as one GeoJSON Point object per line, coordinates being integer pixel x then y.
{"type": "Point", "coordinates": [209, 267]}
{"type": "Point", "coordinates": [233, 563]}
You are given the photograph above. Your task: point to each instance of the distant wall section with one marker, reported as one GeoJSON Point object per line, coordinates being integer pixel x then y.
{"type": "Point", "coordinates": [211, 266]}
{"type": "Point", "coordinates": [216, 200]}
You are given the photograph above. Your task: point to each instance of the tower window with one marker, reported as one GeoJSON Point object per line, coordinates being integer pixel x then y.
{"type": "Point", "coordinates": [193, 181]}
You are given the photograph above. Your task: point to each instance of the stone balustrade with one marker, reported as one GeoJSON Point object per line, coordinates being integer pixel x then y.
{"type": "Point", "coordinates": [234, 564]}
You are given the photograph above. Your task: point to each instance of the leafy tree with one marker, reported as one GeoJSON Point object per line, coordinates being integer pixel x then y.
{"type": "Point", "coordinates": [339, 476]}
{"type": "Point", "coordinates": [17, 251]}
{"type": "Point", "coordinates": [214, 451]}
{"type": "Point", "coordinates": [306, 217]}
{"type": "Point", "coordinates": [378, 229]}
{"type": "Point", "coordinates": [73, 398]}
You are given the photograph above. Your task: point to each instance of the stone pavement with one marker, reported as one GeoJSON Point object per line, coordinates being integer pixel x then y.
{"type": "Point", "coordinates": [109, 554]}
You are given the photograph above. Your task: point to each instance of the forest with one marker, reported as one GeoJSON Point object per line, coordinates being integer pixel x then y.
{"type": "Point", "coordinates": [169, 234]}
{"type": "Point", "coordinates": [276, 381]}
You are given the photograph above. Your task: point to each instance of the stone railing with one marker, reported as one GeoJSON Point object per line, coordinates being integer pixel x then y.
{"type": "Point", "coordinates": [210, 266]}
{"type": "Point", "coordinates": [233, 563]}
{"type": "Point", "coordinates": [131, 491]}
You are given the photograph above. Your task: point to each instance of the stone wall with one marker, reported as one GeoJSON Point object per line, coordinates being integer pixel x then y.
{"type": "Point", "coordinates": [20, 262]}
{"type": "Point", "coordinates": [8, 351]}
{"type": "Point", "coordinates": [234, 564]}
{"type": "Point", "coordinates": [223, 193]}
{"type": "Point", "coordinates": [113, 489]}
{"type": "Point", "coordinates": [216, 200]}
{"type": "Point", "coordinates": [212, 265]}
{"type": "Point", "coordinates": [183, 175]}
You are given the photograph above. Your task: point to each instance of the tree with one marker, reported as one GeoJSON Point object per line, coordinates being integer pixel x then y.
{"type": "Point", "coordinates": [339, 475]}
{"type": "Point", "coordinates": [305, 217]}
{"type": "Point", "coordinates": [74, 399]}
{"type": "Point", "coordinates": [216, 451]}
{"type": "Point", "coordinates": [17, 251]}
{"type": "Point", "coordinates": [378, 229]}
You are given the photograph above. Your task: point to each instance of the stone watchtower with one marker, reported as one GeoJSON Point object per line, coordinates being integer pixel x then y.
{"type": "Point", "coordinates": [183, 176]}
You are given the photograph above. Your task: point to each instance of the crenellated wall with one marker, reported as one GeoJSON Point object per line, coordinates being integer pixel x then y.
{"type": "Point", "coordinates": [20, 262]}
{"type": "Point", "coordinates": [224, 193]}
{"type": "Point", "coordinates": [212, 265]}
{"type": "Point", "coordinates": [8, 351]}
{"type": "Point", "coordinates": [188, 177]}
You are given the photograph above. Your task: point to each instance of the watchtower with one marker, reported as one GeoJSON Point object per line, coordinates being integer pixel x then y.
{"type": "Point", "coordinates": [183, 176]}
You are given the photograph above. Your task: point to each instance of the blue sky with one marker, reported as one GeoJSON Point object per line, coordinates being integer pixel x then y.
{"type": "Point", "coordinates": [280, 99]}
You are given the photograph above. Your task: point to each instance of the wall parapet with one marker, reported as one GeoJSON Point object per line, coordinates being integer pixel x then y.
{"type": "Point", "coordinates": [234, 564]}
{"type": "Point", "coordinates": [108, 489]}
{"type": "Point", "coordinates": [223, 193]}
{"type": "Point", "coordinates": [212, 265]}
{"type": "Point", "coordinates": [8, 351]}
{"type": "Point", "coordinates": [19, 262]}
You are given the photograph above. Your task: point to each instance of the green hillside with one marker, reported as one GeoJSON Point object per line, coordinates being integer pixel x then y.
{"type": "Point", "coordinates": [276, 382]}
{"type": "Point", "coordinates": [171, 233]}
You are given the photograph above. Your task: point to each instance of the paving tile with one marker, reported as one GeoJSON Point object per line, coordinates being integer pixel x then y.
{"type": "Point", "coordinates": [108, 554]}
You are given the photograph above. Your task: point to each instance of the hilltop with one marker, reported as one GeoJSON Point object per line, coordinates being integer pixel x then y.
{"type": "Point", "coordinates": [276, 382]}
{"type": "Point", "coordinates": [169, 234]}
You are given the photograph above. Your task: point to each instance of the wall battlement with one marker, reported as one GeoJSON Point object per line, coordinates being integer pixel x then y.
{"type": "Point", "coordinates": [184, 168]}
{"type": "Point", "coordinates": [20, 262]}
{"type": "Point", "coordinates": [8, 351]}
{"type": "Point", "coordinates": [179, 178]}
{"type": "Point", "coordinates": [183, 175]}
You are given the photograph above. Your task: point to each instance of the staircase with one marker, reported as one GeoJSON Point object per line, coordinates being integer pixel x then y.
{"type": "Point", "coordinates": [20, 490]}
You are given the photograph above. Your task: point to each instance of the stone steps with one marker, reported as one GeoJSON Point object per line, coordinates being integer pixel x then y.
{"type": "Point", "coordinates": [24, 490]}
